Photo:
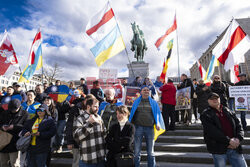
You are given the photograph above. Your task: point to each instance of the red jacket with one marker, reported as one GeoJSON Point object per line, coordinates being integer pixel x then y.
{"type": "Point", "coordinates": [168, 95]}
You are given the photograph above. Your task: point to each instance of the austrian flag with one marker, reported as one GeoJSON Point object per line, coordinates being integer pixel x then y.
{"type": "Point", "coordinates": [234, 44]}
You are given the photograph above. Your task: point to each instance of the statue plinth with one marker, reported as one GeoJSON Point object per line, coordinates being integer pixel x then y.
{"type": "Point", "coordinates": [140, 68]}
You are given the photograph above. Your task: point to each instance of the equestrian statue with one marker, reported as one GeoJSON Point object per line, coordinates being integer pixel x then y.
{"type": "Point", "coordinates": [138, 43]}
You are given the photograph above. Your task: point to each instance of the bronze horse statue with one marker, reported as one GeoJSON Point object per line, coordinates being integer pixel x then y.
{"type": "Point", "coordinates": [138, 42]}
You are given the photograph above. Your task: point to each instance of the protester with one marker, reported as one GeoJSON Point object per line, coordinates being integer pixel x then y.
{"type": "Point", "coordinates": [52, 111]}
{"type": "Point", "coordinates": [150, 84]}
{"type": "Point", "coordinates": [9, 93]}
{"type": "Point", "coordinates": [186, 115]}
{"type": "Point", "coordinates": [58, 83]}
{"type": "Point", "coordinates": [202, 92]}
{"type": "Point", "coordinates": [223, 133]}
{"type": "Point", "coordinates": [145, 113]}
{"type": "Point", "coordinates": [97, 91]}
{"type": "Point", "coordinates": [12, 121]}
{"type": "Point", "coordinates": [78, 98]}
{"type": "Point", "coordinates": [124, 82]}
{"type": "Point", "coordinates": [45, 87]}
{"type": "Point", "coordinates": [195, 101]}
{"type": "Point", "coordinates": [40, 95]}
{"type": "Point", "coordinates": [158, 83]}
{"type": "Point", "coordinates": [137, 82]}
{"type": "Point", "coordinates": [89, 132]}
{"type": "Point", "coordinates": [220, 88]}
{"type": "Point", "coordinates": [84, 86]}
{"type": "Point", "coordinates": [31, 105]}
{"type": "Point", "coordinates": [62, 109]}
{"type": "Point", "coordinates": [3, 92]}
{"type": "Point", "coordinates": [120, 136]}
{"type": "Point", "coordinates": [18, 91]}
{"type": "Point", "coordinates": [108, 107]}
{"type": "Point", "coordinates": [243, 82]}
{"type": "Point", "coordinates": [74, 112]}
{"type": "Point", "coordinates": [42, 128]}
{"type": "Point", "coordinates": [168, 100]}
{"type": "Point", "coordinates": [72, 86]}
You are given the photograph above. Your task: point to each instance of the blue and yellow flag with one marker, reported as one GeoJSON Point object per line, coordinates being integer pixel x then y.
{"type": "Point", "coordinates": [35, 59]}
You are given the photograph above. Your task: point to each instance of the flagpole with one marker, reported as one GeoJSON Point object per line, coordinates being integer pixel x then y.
{"type": "Point", "coordinates": [178, 52]}
{"type": "Point", "coordinates": [125, 46]}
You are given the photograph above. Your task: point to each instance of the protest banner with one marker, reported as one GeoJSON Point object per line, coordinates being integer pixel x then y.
{"type": "Point", "coordinates": [183, 99]}
{"type": "Point", "coordinates": [241, 94]}
{"type": "Point", "coordinates": [106, 73]}
{"type": "Point", "coordinates": [130, 94]}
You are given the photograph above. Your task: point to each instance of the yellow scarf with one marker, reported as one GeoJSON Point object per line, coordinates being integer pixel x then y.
{"type": "Point", "coordinates": [34, 130]}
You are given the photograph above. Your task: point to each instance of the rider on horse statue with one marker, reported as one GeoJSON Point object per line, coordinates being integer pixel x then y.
{"type": "Point", "coordinates": [138, 43]}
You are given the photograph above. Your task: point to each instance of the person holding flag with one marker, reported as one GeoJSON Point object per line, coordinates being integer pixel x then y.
{"type": "Point", "coordinates": [148, 121]}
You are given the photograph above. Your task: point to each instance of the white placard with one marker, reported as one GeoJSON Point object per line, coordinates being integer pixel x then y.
{"type": "Point", "coordinates": [105, 73]}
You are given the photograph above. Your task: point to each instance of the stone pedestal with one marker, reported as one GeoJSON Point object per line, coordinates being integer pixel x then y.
{"type": "Point", "coordinates": [139, 69]}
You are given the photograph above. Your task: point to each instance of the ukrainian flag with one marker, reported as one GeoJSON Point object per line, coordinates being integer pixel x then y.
{"type": "Point", "coordinates": [103, 30]}
{"type": "Point", "coordinates": [210, 71]}
{"type": "Point", "coordinates": [35, 59]}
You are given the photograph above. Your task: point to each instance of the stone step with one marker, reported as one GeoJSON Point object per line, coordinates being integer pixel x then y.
{"type": "Point", "coordinates": [196, 126]}
{"type": "Point", "coordinates": [67, 162]}
{"type": "Point", "coordinates": [188, 157]}
{"type": "Point", "coordinates": [181, 132]}
{"type": "Point", "coordinates": [180, 147]}
{"type": "Point", "coordinates": [166, 157]}
{"type": "Point", "coordinates": [189, 139]}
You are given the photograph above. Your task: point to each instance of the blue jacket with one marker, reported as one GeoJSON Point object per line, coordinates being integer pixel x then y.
{"type": "Point", "coordinates": [47, 129]}
{"type": "Point", "coordinates": [155, 108]}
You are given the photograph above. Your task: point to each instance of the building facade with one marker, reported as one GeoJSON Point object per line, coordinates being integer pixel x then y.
{"type": "Point", "coordinates": [207, 55]}
{"type": "Point", "coordinates": [5, 82]}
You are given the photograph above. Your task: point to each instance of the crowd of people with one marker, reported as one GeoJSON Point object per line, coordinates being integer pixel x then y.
{"type": "Point", "coordinates": [100, 130]}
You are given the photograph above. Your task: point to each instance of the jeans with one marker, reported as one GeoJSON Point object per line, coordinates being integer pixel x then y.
{"type": "Point", "coordinates": [59, 134]}
{"type": "Point", "coordinates": [76, 157]}
{"type": "Point", "coordinates": [148, 133]}
{"type": "Point", "coordinates": [231, 103]}
{"type": "Point", "coordinates": [243, 119]}
{"type": "Point", "coordinates": [235, 159]}
{"type": "Point", "coordinates": [83, 164]}
{"type": "Point", "coordinates": [37, 160]}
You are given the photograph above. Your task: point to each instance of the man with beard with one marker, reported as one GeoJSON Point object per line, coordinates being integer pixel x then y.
{"type": "Point", "coordinates": [89, 132]}
{"type": "Point", "coordinates": [108, 108]}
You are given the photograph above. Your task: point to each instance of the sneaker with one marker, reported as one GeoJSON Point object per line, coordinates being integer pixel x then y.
{"type": "Point", "coordinates": [59, 150]}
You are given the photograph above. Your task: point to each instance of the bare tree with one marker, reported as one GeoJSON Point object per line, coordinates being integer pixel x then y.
{"type": "Point", "coordinates": [52, 73]}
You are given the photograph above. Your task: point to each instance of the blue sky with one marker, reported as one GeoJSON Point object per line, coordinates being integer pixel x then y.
{"type": "Point", "coordinates": [63, 25]}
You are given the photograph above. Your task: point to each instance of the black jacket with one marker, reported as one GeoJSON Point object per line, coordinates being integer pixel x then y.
{"type": "Point", "coordinates": [40, 97]}
{"type": "Point", "coordinates": [98, 93]}
{"type": "Point", "coordinates": [47, 129]}
{"type": "Point", "coordinates": [221, 89]}
{"type": "Point", "coordinates": [214, 137]}
{"type": "Point", "coordinates": [17, 119]}
{"type": "Point", "coordinates": [119, 141]}
{"type": "Point", "coordinates": [73, 114]}
{"type": "Point", "coordinates": [62, 109]}
{"type": "Point", "coordinates": [186, 83]}
{"type": "Point", "coordinates": [85, 89]}
{"type": "Point", "coordinates": [202, 97]}
{"type": "Point", "coordinates": [242, 83]}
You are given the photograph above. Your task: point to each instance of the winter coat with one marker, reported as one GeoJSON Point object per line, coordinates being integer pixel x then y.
{"type": "Point", "coordinates": [187, 83]}
{"type": "Point", "coordinates": [17, 119]}
{"type": "Point", "coordinates": [214, 137]}
{"type": "Point", "coordinates": [168, 95]}
{"type": "Point", "coordinates": [202, 97]}
{"type": "Point", "coordinates": [47, 129]}
{"type": "Point", "coordinates": [221, 90]}
{"type": "Point", "coordinates": [118, 141]}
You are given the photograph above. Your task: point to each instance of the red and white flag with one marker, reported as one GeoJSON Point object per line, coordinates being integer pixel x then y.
{"type": "Point", "coordinates": [202, 70]}
{"type": "Point", "coordinates": [8, 59]}
{"type": "Point", "coordinates": [234, 44]}
{"type": "Point", "coordinates": [234, 72]}
{"type": "Point", "coordinates": [169, 35]}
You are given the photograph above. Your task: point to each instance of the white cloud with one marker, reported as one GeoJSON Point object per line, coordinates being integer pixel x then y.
{"type": "Point", "coordinates": [199, 22]}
